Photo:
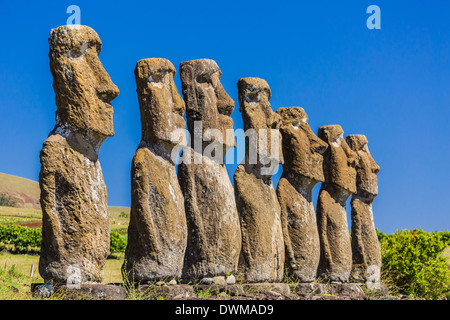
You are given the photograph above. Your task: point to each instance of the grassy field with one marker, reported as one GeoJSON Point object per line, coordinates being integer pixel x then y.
{"type": "Point", "coordinates": [23, 264]}
{"type": "Point", "coordinates": [16, 285]}
{"type": "Point", "coordinates": [119, 217]}
{"type": "Point", "coordinates": [21, 216]}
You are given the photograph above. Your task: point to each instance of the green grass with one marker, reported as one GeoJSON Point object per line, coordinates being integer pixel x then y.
{"type": "Point", "coordinates": [14, 285]}
{"type": "Point", "coordinates": [10, 215]}
{"type": "Point", "coordinates": [23, 264]}
{"type": "Point", "coordinates": [22, 212]}
{"type": "Point", "coordinates": [17, 220]}
{"type": "Point", "coordinates": [204, 294]}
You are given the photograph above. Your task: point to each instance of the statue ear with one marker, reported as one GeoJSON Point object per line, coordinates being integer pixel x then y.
{"type": "Point", "coordinates": [188, 88]}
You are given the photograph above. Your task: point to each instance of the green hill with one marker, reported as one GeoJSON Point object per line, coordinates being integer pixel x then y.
{"type": "Point", "coordinates": [26, 193]}
{"type": "Point", "coordinates": [23, 191]}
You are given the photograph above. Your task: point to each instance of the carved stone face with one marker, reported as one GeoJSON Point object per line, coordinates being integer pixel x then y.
{"type": "Point", "coordinates": [206, 100]}
{"type": "Point", "coordinates": [162, 107]}
{"type": "Point", "coordinates": [366, 168]}
{"type": "Point", "coordinates": [339, 159]}
{"type": "Point", "coordinates": [257, 114]}
{"type": "Point", "coordinates": [83, 88]}
{"type": "Point", "coordinates": [302, 149]}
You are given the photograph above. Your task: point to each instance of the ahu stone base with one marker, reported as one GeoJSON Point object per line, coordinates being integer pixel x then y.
{"type": "Point", "coordinates": [246, 291]}
{"type": "Point", "coordinates": [80, 292]}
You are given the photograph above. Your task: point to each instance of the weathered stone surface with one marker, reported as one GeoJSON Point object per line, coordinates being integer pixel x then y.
{"type": "Point", "coordinates": [219, 280]}
{"type": "Point", "coordinates": [87, 291]}
{"type": "Point", "coordinates": [214, 238]}
{"type": "Point", "coordinates": [345, 289]}
{"type": "Point", "coordinates": [92, 292]}
{"type": "Point", "coordinates": [365, 245]}
{"type": "Point", "coordinates": [216, 289]}
{"type": "Point", "coordinates": [259, 211]}
{"type": "Point", "coordinates": [157, 233]}
{"type": "Point", "coordinates": [75, 230]}
{"type": "Point", "coordinates": [340, 181]}
{"type": "Point", "coordinates": [181, 291]}
{"type": "Point", "coordinates": [302, 170]}
{"type": "Point", "coordinates": [281, 288]}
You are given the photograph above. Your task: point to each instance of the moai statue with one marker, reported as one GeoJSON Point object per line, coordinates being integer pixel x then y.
{"type": "Point", "coordinates": [214, 237]}
{"type": "Point", "coordinates": [157, 232]}
{"type": "Point", "coordinates": [340, 182]}
{"type": "Point", "coordinates": [302, 170]}
{"type": "Point", "coordinates": [256, 199]}
{"type": "Point", "coordinates": [75, 222]}
{"type": "Point", "coordinates": [365, 246]}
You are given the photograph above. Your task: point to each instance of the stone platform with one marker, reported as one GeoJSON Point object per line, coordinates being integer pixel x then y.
{"type": "Point", "coordinates": [80, 292]}
{"type": "Point", "coordinates": [300, 291]}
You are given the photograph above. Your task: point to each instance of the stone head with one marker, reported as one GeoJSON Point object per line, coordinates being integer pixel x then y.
{"type": "Point", "coordinates": [302, 149]}
{"type": "Point", "coordinates": [162, 107]}
{"type": "Point", "coordinates": [339, 159]}
{"type": "Point", "coordinates": [83, 88]}
{"type": "Point", "coordinates": [257, 114]}
{"type": "Point", "coordinates": [366, 167]}
{"type": "Point", "coordinates": [207, 101]}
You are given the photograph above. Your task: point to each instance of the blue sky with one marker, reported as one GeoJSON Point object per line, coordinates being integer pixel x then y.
{"type": "Point", "coordinates": [391, 84]}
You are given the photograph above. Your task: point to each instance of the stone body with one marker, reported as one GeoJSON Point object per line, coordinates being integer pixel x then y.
{"type": "Point", "coordinates": [340, 182]}
{"type": "Point", "coordinates": [302, 170]}
{"type": "Point", "coordinates": [157, 233]}
{"type": "Point", "coordinates": [365, 245]}
{"type": "Point", "coordinates": [262, 238]}
{"type": "Point", "coordinates": [75, 223]}
{"type": "Point", "coordinates": [214, 238]}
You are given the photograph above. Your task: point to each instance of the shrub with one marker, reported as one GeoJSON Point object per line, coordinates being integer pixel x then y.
{"type": "Point", "coordinates": [445, 237]}
{"type": "Point", "coordinates": [118, 243]}
{"type": "Point", "coordinates": [411, 261]}
{"type": "Point", "coordinates": [6, 201]}
{"type": "Point", "coordinates": [124, 215]}
{"type": "Point", "coordinates": [18, 239]}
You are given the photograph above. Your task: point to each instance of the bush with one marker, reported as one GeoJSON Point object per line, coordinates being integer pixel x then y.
{"type": "Point", "coordinates": [411, 261]}
{"type": "Point", "coordinates": [118, 243]}
{"type": "Point", "coordinates": [445, 237]}
{"type": "Point", "coordinates": [124, 215]}
{"type": "Point", "coordinates": [6, 201]}
{"type": "Point", "coordinates": [18, 239]}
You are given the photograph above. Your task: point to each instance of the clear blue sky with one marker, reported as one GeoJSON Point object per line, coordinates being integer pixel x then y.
{"type": "Point", "coordinates": [393, 84]}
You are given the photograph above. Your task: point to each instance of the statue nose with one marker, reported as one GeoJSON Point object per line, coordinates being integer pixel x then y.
{"type": "Point", "coordinates": [108, 94]}
{"type": "Point", "coordinates": [375, 168]}
{"type": "Point", "coordinates": [225, 104]}
{"type": "Point", "coordinates": [106, 89]}
{"type": "Point", "coordinates": [319, 147]}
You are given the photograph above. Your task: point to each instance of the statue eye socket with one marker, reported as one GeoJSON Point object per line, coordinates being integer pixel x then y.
{"type": "Point", "coordinates": [203, 78]}
{"type": "Point", "coordinates": [78, 50]}
{"type": "Point", "coordinates": [206, 77]}
{"type": "Point", "coordinates": [252, 96]}
{"type": "Point", "coordinates": [156, 76]}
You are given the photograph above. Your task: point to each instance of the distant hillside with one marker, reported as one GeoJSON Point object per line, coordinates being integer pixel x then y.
{"type": "Point", "coordinates": [24, 191]}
